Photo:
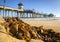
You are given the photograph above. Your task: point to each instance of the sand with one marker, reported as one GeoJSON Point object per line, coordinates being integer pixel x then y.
{"type": "Point", "coordinates": [48, 24]}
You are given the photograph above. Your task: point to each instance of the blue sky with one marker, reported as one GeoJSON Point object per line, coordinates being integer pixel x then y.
{"type": "Point", "coordinates": [45, 6]}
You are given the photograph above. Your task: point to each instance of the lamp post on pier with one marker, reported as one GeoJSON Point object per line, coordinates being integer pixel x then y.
{"type": "Point", "coordinates": [4, 7]}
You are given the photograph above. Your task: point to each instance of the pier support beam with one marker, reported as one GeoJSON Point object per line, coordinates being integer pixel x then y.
{"type": "Point", "coordinates": [8, 12]}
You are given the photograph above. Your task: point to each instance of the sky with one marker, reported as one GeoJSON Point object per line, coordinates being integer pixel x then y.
{"type": "Point", "coordinates": [43, 6]}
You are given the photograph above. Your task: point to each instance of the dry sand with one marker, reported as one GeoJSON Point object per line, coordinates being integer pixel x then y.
{"type": "Point", "coordinates": [48, 24]}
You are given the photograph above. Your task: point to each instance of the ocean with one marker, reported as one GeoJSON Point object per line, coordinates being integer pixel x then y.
{"type": "Point", "coordinates": [51, 18]}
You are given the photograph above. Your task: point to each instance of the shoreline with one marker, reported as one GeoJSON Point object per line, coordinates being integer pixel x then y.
{"type": "Point", "coordinates": [48, 24]}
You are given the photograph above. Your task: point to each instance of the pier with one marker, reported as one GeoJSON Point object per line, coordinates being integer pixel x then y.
{"type": "Point", "coordinates": [20, 12]}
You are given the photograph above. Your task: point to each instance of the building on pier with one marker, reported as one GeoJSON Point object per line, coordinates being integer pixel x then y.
{"type": "Point", "coordinates": [20, 12]}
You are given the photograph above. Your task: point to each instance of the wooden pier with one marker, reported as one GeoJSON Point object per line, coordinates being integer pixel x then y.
{"type": "Point", "coordinates": [13, 12]}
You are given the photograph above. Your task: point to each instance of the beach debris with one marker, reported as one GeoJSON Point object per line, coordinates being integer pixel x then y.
{"type": "Point", "coordinates": [21, 30]}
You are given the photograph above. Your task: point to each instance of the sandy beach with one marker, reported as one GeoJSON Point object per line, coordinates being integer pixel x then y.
{"type": "Point", "coordinates": [48, 24]}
